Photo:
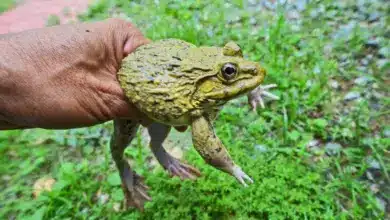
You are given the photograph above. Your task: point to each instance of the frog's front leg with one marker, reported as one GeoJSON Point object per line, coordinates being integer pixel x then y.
{"type": "Point", "coordinates": [255, 97]}
{"type": "Point", "coordinates": [158, 132]}
{"type": "Point", "coordinates": [212, 150]}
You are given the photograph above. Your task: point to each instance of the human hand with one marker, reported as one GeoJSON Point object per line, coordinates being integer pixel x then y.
{"type": "Point", "coordinates": [65, 76]}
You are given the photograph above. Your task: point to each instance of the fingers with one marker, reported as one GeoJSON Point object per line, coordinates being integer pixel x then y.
{"type": "Point", "coordinates": [261, 102]}
{"type": "Point", "coordinates": [255, 97]}
{"type": "Point", "coordinates": [241, 176]}
{"type": "Point", "coordinates": [264, 92]}
{"type": "Point", "coordinates": [270, 95]}
{"type": "Point", "coordinates": [270, 86]}
{"type": "Point", "coordinates": [241, 180]}
{"type": "Point", "coordinates": [133, 41]}
{"type": "Point", "coordinates": [132, 36]}
{"type": "Point", "coordinates": [125, 38]}
{"type": "Point", "coordinates": [247, 178]}
{"type": "Point", "coordinates": [121, 36]}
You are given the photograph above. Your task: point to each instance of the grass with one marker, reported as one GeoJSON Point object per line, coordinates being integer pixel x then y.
{"type": "Point", "coordinates": [315, 60]}
{"type": "Point", "coordinates": [6, 4]}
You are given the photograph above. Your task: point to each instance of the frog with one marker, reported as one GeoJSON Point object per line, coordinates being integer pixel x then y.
{"type": "Point", "coordinates": [177, 84]}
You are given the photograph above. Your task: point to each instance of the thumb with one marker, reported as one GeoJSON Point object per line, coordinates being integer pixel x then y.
{"type": "Point", "coordinates": [133, 42]}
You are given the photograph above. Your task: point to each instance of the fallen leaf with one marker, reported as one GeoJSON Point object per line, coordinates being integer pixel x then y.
{"type": "Point", "coordinates": [116, 207]}
{"type": "Point", "coordinates": [43, 184]}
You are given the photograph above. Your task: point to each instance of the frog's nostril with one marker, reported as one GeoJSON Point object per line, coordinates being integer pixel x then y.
{"type": "Point", "coordinates": [251, 69]}
{"type": "Point", "coordinates": [255, 71]}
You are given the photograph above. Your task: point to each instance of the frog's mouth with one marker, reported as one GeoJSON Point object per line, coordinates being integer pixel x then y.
{"type": "Point", "coordinates": [235, 89]}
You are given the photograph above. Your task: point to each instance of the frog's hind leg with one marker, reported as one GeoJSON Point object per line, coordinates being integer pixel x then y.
{"type": "Point", "coordinates": [132, 184]}
{"type": "Point", "coordinates": [158, 132]}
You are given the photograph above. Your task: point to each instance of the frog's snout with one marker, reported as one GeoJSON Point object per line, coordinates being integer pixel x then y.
{"type": "Point", "coordinates": [261, 70]}
{"type": "Point", "coordinates": [253, 69]}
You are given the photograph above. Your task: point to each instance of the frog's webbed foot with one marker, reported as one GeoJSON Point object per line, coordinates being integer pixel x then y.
{"type": "Point", "coordinates": [241, 176]}
{"type": "Point", "coordinates": [158, 132]}
{"type": "Point", "coordinates": [180, 169]}
{"type": "Point", "coordinates": [135, 190]}
{"type": "Point", "coordinates": [255, 97]}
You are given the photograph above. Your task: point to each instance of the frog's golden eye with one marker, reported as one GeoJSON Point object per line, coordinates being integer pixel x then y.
{"type": "Point", "coordinates": [229, 71]}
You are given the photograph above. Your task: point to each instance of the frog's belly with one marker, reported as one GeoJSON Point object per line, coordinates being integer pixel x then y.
{"type": "Point", "coordinates": [184, 119]}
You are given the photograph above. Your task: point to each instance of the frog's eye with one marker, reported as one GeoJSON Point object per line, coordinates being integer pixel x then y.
{"type": "Point", "coordinates": [229, 71]}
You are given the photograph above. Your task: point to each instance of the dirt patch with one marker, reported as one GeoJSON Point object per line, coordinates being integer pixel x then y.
{"type": "Point", "coordinates": [34, 14]}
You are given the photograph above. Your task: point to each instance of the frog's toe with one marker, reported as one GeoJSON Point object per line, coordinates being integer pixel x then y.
{"type": "Point", "coordinates": [136, 193]}
{"type": "Point", "coordinates": [182, 170]}
{"type": "Point", "coordinates": [241, 176]}
{"type": "Point", "coordinates": [255, 97]}
{"type": "Point", "coordinates": [255, 101]}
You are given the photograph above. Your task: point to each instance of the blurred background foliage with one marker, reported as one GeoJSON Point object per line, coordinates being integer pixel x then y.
{"type": "Point", "coordinates": [321, 152]}
{"type": "Point", "coordinates": [6, 4]}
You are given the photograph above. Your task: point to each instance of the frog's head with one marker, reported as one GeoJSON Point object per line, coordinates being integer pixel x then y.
{"type": "Point", "coordinates": [228, 75]}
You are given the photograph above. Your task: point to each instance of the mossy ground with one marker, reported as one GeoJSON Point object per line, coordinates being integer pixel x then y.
{"type": "Point", "coordinates": [321, 152]}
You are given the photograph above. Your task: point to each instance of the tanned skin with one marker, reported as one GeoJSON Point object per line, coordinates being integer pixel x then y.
{"type": "Point", "coordinates": [65, 76]}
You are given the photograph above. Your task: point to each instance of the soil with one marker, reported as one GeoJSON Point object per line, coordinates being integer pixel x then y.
{"type": "Point", "coordinates": [31, 14]}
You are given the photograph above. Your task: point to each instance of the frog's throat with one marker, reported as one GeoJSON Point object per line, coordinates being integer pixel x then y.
{"type": "Point", "coordinates": [236, 89]}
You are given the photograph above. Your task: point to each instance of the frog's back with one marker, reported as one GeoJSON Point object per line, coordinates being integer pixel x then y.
{"type": "Point", "coordinates": [153, 60]}
{"type": "Point", "coordinates": [150, 74]}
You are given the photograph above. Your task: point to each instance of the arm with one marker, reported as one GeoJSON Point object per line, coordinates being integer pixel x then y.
{"type": "Point", "coordinates": [65, 76]}
{"type": "Point", "coordinates": [212, 150]}
{"type": "Point", "coordinates": [255, 96]}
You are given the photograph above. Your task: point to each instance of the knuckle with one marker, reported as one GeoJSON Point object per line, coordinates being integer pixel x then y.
{"type": "Point", "coordinates": [119, 22]}
{"type": "Point", "coordinates": [127, 29]}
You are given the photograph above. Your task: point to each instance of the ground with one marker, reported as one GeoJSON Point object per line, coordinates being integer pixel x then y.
{"type": "Point", "coordinates": [321, 152]}
{"type": "Point", "coordinates": [29, 14]}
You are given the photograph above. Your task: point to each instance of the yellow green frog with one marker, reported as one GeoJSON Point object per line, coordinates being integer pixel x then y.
{"type": "Point", "coordinates": [178, 84]}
